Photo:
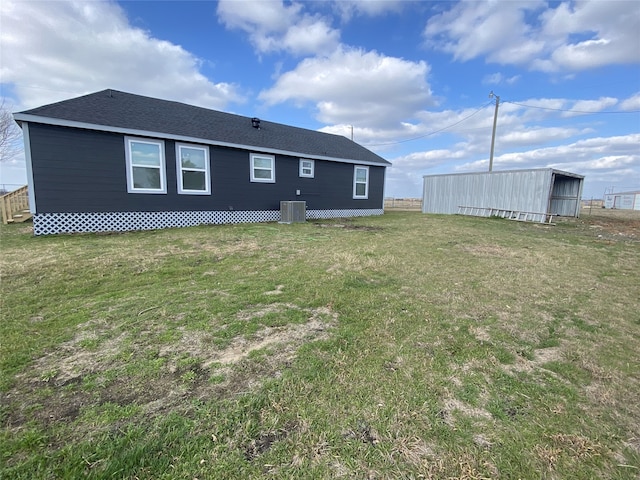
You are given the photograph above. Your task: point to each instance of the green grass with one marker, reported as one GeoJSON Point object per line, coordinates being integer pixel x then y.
{"type": "Point", "coordinates": [400, 346]}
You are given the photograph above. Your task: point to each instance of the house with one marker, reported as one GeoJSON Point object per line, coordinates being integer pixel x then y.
{"type": "Point", "coordinates": [623, 200]}
{"type": "Point", "coordinates": [115, 161]}
{"type": "Point", "coordinates": [533, 194]}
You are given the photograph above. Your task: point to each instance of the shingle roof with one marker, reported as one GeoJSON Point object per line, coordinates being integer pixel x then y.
{"type": "Point", "coordinates": [112, 108]}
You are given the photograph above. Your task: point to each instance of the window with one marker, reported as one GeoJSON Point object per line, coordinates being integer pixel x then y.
{"type": "Point", "coordinates": [306, 168]}
{"type": "Point", "coordinates": [193, 169]}
{"type": "Point", "coordinates": [361, 182]}
{"type": "Point", "coordinates": [145, 166]}
{"type": "Point", "coordinates": [263, 168]}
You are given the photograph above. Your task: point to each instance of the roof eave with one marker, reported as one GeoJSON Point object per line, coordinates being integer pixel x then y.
{"type": "Point", "coordinates": [27, 117]}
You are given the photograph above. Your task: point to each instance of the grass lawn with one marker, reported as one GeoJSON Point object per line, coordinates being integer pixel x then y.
{"type": "Point", "coordinates": [403, 346]}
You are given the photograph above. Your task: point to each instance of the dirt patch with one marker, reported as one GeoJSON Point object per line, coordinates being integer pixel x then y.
{"type": "Point", "coordinates": [576, 445]}
{"type": "Point", "coordinates": [295, 335]}
{"type": "Point", "coordinates": [363, 432]}
{"type": "Point", "coordinates": [347, 224]}
{"type": "Point", "coordinates": [416, 450]}
{"type": "Point", "coordinates": [277, 291]}
{"type": "Point", "coordinates": [95, 367]}
{"type": "Point", "coordinates": [265, 441]}
{"type": "Point", "coordinates": [452, 405]}
{"type": "Point", "coordinates": [482, 441]}
{"type": "Point", "coordinates": [480, 333]}
{"type": "Point", "coordinates": [59, 407]}
{"type": "Point", "coordinates": [350, 227]}
{"type": "Point", "coordinates": [546, 355]}
{"type": "Point", "coordinates": [72, 360]}
{"type": "Point", "coordinates": [287, 338]}
{"type": "Point", "coordinates": [607, 225]}
{"type": "Point", "coordinates": [541, 356]}
{"type": "Point", "coordinates": [343, 262]}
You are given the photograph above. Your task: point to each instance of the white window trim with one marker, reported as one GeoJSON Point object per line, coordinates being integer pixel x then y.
{"type": "Point", "coordinates": [313, 168]}
{"type": "Point", "coordinates": [180, 169]}
{"type": "Point", "coordinates": [163, 175]}
{"type": "Point", "coordinates": [366, 187]}
{"type": "Point", "coordinates": [252, 157]}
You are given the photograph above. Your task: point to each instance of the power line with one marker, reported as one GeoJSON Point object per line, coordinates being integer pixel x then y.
{"type": "Point", "coordinates": [431, 133]}
{"type": "Point", "coordinates": [503, 101]}
{"type": "Point", "coordinates": [571, 111]}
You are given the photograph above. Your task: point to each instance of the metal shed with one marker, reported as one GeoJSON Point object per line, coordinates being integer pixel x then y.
{"type": "Point", "coordinates": [544, 191]}
{"type": "Point", "coordinates": [623, 200]}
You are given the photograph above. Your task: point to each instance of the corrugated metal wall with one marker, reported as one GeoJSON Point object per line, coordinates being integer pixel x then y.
{"type": "Point", "coordinates": [565, 196]}
{"type": "Point", "coordinates": [518, 190]}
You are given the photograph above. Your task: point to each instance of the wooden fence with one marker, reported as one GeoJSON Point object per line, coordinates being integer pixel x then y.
{"type": "Point", "coordinates": [15, 206]}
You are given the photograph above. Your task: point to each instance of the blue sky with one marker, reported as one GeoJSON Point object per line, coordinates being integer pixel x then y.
{"type": "Point", "coordinates": [410, 79]}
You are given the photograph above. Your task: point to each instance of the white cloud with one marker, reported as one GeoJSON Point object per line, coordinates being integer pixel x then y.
{"type": "Point", "coordinates": [581, 157]}
{"type": "Point", "coordinates": [492, 79]}
{"type": "Point", "coordinates": [495, 29]}
{"type": "Point", "coordinates": [591, 106]}
{"type": "Point", "coordinates": [573, 36]}
{"type": "Point", "coordinates": [57, 50]}
{"type": "Point", "coordinates": [273, 26]}
{"type": "Point", "coordinates": [499, 79]}
{"type": "Point", "coordinates": [604, 163]}
{"type": "Point", "coordinates": [351, 8]}
{"type": "Point", "coordinates": [477, 143]}
{"type": "Point", "coordinates": [13, 174]}
{"type": "Point", "coordinates": [347, 88]}
{"type": "Point", "coordinates": [429, 158]}
{"type": "Point", "coordinates": [518, 127]}
{"type": "Point", "coordinates": [538, 136]}
{"type": "Point", "coordinates": [608, 30]}
{"type": "Point", "coordinates": [631, 104]}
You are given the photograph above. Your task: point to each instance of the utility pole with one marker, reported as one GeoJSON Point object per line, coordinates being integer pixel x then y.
{"type": "Point", "coordinates": [493, 134]}
{"type": "Point", "coordinates": [351, 132]}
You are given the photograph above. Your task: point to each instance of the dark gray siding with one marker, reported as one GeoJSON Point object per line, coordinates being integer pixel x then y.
{"type": "Point", "coordinates": [78, 170]}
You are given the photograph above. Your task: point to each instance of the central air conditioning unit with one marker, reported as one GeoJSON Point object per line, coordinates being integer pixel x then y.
{"type": "Point", "coordinates": [293, 212]}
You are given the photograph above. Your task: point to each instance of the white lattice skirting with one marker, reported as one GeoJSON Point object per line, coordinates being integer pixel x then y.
{"type": "Point", "coordinates": [53, 223]}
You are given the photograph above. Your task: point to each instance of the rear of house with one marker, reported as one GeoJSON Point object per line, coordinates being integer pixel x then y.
{"type": "Point", "coordinates": [114, 161]}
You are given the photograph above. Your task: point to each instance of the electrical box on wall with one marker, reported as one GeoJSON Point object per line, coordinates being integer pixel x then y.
{"type": "Point", "coordinates": [293, 212]}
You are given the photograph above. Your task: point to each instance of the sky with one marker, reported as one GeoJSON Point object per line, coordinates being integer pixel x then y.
{"type": "Point", "coordinates": [410, 80]}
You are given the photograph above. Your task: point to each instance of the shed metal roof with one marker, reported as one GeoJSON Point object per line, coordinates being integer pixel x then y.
{"type": "Point", "coordinates": [634, 192]}
{"type": "Point", "coordinates": [112, 110]}
{"type": "Point", "coordinates": [498, 172]}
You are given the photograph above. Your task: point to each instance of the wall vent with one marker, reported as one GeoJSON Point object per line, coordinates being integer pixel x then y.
{"type": "Point", "coordinates": [293, 212]}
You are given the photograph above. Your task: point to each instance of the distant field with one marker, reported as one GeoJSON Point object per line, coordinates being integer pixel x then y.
{"type": "Point", "coordinates": [403, 346]}
{"type": "Point", "coordinates": [604, 213]}
{"type": "Point", "coordinates": [403, 204]}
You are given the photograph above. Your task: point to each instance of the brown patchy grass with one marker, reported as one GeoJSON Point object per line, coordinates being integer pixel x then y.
{"type": "Point", "coordinates": [610, 225]}
{"type": "Point", "coordinates": [405, 346]}
{"type": "Point", "coordinates": [72, 362]}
